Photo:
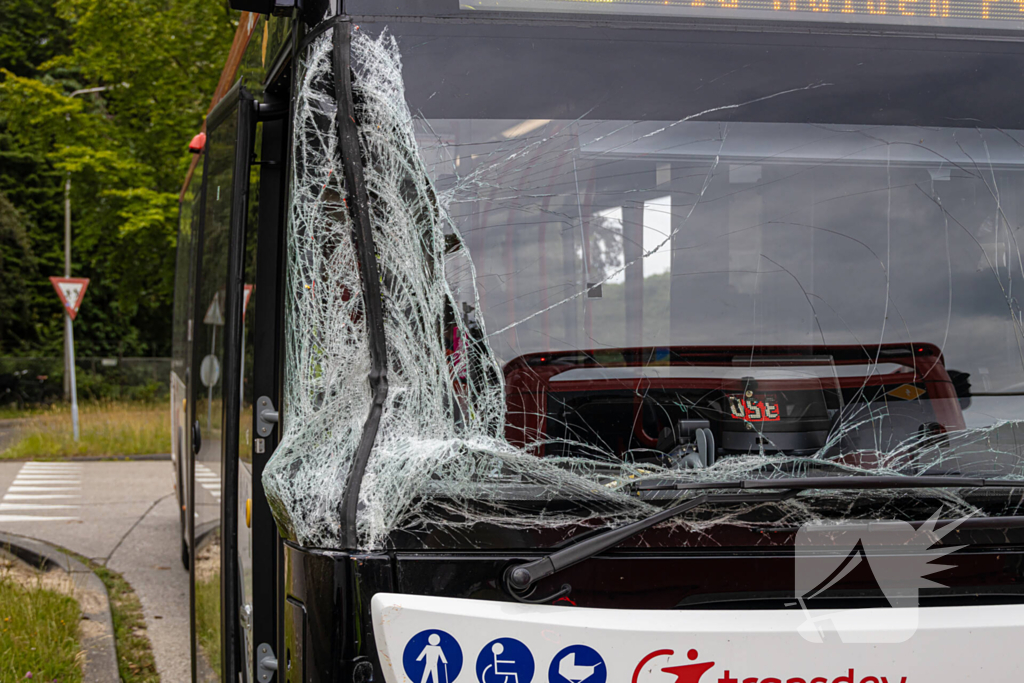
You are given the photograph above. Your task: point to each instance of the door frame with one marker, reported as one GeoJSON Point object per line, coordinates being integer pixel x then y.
{"type": "Point", "coordinates": [239, 101]}
{"type": "Point", "coordinates": [268, 360]}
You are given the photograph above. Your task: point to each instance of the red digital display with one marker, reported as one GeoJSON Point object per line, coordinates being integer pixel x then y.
{"type": "Point", "coordinates": [968, 13]}
{"type": "Point", "coordinates": [754, 408]}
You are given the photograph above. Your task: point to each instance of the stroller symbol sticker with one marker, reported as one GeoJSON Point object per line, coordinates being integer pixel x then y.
{"type": "Point", "coordinates": [505, 660]}
{"type": "Point", "coordinates": [577, 664]}
{"type": "Point", "coordinates": [432, 656]}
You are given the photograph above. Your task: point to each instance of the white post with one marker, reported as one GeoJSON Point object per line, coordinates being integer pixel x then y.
{"type": "Point", "coordinates": [209, 401]}
{"type": "Point", "coordinates": [67, 273]}
{"type": "Point", "coordinates": [74, 387]}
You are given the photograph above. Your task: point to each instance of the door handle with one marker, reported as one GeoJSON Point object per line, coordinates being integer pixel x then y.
{"type": "Point", "coordinates": [197, 438]}
{"type": "Point", "coordinates": [266, 416]}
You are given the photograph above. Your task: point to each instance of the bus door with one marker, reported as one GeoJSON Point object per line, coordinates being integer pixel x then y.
{"type": "Point", "coordinates": [216, 388]}
{"type": "Point", "coordinates": [259, 390]}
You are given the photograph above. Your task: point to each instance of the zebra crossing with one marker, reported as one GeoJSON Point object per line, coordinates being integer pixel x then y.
{"type": "Point", "coordinates": [43, 492]}
{"type": "Point", "coordinates": [208, 479]}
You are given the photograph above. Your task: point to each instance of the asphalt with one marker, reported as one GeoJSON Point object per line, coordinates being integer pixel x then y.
{"type": "Point", "coordinates": [121, 514]}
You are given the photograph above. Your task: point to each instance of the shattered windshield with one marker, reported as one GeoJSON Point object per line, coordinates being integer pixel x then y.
{"type": "Point", "coordinates": [718, 268]}
{"type": "Point", "coordinates": [793, 286]}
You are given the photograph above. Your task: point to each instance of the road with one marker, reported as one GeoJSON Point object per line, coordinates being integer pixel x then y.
{"type": "Point", "coordinates": [120, 514]}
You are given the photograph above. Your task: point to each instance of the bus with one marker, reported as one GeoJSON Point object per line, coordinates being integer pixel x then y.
{"type": "Point", "coordinates": [589, 341]}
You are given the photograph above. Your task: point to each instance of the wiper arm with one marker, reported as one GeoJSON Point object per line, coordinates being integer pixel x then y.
{"type": "Point", "coordinates": [521, 578]}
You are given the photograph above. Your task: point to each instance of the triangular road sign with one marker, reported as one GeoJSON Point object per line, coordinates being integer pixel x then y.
{"type": "Point", "coordinates": [70, 290]}
{"type": "Point", "coordinates": [214, 313]}
{"type": "Point", "coordinates": [245, 300]}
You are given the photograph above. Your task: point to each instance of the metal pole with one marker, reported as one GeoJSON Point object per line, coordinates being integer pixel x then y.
{"type": "Point", "coordinates": [74, 388]}
{"type": "Point", "coordinates": [68, 364]}
{"type": "Point", "coordinates": [69, 354]}
{"type": "Point", "coordinates": [67, 225]}
{"type": "Point", "coordinates": [209, 401]}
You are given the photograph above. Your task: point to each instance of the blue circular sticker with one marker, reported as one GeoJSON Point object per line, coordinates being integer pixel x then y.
{"type": "Point", "coordinates": [432, 656]}
{"type": "Point", "coordinates": [577, 664]}
{"type": "Point", "coordinates": [505, 660]}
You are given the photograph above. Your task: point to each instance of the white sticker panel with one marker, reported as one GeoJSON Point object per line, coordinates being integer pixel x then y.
{"type": "Point", "coordinates": [445, 640]}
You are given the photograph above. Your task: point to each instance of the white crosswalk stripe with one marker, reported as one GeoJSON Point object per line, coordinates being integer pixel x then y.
{"type": "Point", "coordinates": [45, 482]}
{"type": "Point", "coordinates": [208, 479]}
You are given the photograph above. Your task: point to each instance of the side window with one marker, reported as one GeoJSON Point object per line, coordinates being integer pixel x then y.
{"type": "Point", "coordinates": [182, 263]}
{"type": "Point", "coordinates": [181, 353]}
{"type": "Point", "coordinates": [245, 424]}
{"type": "Point", "coordinates": [208, 345]}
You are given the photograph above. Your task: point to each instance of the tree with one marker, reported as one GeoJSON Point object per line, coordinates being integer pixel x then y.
{"type": "Point", "coordinates": [125, 150]}
{"type": "Point", "coordinates": [16, 270]}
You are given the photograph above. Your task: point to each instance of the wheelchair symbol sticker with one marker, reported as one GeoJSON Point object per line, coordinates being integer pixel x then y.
{"type": "Point", "coordinates": [432, 656]}
{"type": "Point", "coordinates": [505, 660]}
{"type": "Point", "coordinates": [577, 664]}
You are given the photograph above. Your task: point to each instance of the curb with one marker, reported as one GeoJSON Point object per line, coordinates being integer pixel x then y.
{"type": "Point", "coordinates": [100, 663]}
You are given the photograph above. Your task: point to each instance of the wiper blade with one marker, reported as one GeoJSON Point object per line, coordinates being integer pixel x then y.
{"type": "Point", "coordinates": [859, 482]}
{"type": "Point", "coordinates": [520, 579]}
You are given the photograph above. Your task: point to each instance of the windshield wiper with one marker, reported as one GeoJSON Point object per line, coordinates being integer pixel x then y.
{"type": "Point", "coordinates": [520, 579]}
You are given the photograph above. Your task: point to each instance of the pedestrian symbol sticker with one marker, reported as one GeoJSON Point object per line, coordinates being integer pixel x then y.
{"type": "Point", "coordinates": [577, 664]}
{"type": "Point", "coordinates": [432, 656]}
{"type": "Point", "coordinates": [505, 660]}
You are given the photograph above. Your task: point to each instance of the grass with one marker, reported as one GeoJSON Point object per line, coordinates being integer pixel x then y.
{"type": "Point", "coordinates": [12, 412]}
{"type": "Point", "coordinates": [208, 619]}
{"type": "Point", "coordinates": [208, 602]}
{"type": "Point", "coordinates": [107, 428]}
{"type": "Point", "coordinates": [38, 633]}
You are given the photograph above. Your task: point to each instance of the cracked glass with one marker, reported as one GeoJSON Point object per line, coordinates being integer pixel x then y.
{"type": "Point", "coordinates": [626, 258]}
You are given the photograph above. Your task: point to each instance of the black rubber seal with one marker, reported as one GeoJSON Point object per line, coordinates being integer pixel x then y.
{"type": "Point", "coordinates": [358, 205]}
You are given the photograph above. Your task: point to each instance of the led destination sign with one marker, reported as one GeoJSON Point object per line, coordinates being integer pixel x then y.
{"type": "Point", "coordinates": [1007, 14]}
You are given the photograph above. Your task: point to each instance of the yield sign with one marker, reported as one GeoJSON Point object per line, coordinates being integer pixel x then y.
{"type": "Point", "coordinates": [70, 290]}
{"type": "Point", "coordinates": [245, 299]}
{"type": "Point", "coordinates": [214, 314]}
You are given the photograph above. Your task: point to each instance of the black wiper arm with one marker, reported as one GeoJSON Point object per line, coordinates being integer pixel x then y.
{"type": "Point", "coordinates": [521, 578]}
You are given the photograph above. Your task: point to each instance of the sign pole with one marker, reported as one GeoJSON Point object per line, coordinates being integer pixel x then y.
{"type": "Point", "coordinates": [209, 401]}
{"type": "Point", "coordinates": [209, 369]}
{"type": "Point", "coordinates": [71, 290]}
{"type": "Point", "coordinates": [68, 363]}
{"type": "Point", "coordinates": [71, 365]}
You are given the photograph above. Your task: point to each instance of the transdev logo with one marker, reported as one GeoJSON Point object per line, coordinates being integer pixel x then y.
{"type": "Point", "coordinates": [657, 664]}
{"type": "Point", "coordinates": [662, 666]}
{"type": "Point", "coordinates": [897, 555]}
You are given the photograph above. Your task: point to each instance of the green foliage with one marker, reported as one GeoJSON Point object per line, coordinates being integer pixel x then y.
{"type": "Point", "coordinates": [124, 149]}
{"type": "Point", "coordinates": [30, 34]}
{"type": "Point", "coordinates": [16, 266]}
